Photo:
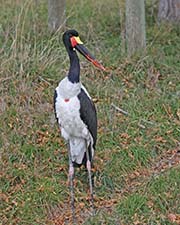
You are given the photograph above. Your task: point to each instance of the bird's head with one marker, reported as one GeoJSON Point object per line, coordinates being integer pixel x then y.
{"type": "Point", "coordinates": [72, 41]}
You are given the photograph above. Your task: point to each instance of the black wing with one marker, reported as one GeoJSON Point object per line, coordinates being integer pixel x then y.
{"type": "Point", "coordinates": [55, 98]}
{"type": "Point", "coordinates": [88, 114]}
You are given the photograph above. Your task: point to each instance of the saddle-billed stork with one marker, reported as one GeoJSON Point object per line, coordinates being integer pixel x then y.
{"type": "Point", "coordinates": [75, 111]}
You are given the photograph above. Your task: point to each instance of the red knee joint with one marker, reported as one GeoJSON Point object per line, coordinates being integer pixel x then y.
{"type": "Point", "coordinates": [88, 165]}
{"type": "Point", "coordinates": [71, 171]}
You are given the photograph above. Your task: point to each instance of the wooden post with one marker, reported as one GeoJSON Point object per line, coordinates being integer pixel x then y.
{"type": "Point", "coordinates": [56, 14]}
{"type": "Point", "coordinates": [169, 10]}
{"type": "Point", "coordinates": [135, 26]}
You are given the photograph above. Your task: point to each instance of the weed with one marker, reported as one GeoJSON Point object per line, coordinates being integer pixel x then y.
{"type": "Point", "coordinates": [34, 161]}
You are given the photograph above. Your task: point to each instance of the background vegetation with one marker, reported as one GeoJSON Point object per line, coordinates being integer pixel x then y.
{"type": "Point", "coordinates": [137, 174]}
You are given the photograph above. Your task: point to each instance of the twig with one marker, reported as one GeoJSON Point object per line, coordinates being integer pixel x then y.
{"type": "Point", "coordinates": [5, 79]}
{"type": "Point", "coordinates": [147, 121]}
{"type": "Point", "coordinates": [119, 109]}
{"type": "Point", "coordinates": [44, 80]}
{"type": "Point", "coordinates": [141, 126]}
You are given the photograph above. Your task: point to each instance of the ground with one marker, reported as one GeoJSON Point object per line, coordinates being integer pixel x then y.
{"type": "Point", "coordinates": [137, 173]}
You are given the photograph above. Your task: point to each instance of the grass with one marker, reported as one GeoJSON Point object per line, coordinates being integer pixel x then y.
{"type": "Point", "coordinates": [137, 157]}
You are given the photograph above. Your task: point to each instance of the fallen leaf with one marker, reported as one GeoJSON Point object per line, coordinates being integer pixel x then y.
{"type": "Point", "coordinates": [178, 113]}
{"type": "Point", "coordinates": [160, 139]}
{"type": "Point", "coordinates": [172, 217]}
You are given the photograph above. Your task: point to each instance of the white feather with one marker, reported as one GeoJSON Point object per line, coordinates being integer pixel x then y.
{"type": "Point", "coordinates": [73, 129]}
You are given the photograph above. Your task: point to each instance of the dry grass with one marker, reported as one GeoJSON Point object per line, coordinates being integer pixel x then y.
{"type": "Point", "coordinates": [137, 157]}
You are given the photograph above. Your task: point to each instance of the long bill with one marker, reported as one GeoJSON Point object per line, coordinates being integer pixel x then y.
{"type": "Point", "coordinates": [84, 51]}
{"type": "Point", "coordinates": [78, 44]}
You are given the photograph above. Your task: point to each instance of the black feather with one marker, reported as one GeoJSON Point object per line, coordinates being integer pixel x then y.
{"type": "Point", "coordinates": [88, 114]}
{"type": "Point", "coordinates": [55, 98]}
{"type": "Point", "coordinates": [89, 117]}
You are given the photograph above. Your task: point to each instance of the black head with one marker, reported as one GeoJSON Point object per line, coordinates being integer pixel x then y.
{"type": "Point", "coordinates": [72, 41]}
{"type": "Point", "coordinates": [67, 37]}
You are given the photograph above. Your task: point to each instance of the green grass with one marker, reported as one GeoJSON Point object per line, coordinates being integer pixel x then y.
{"type": "Point", "coordinates": [136, 161]}
{"type": "Point", "coordinates": [153, 202]}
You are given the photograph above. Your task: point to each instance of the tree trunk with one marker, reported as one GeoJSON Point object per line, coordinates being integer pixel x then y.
{"type": "Point", "coordinates": [56, 14]}
{"type": "Point", "coordinates": [169, 10]}
{"type": "Point", "coordinates": [135, 26]}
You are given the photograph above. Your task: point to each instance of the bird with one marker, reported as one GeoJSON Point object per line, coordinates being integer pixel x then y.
{"type": "Point", "coordinates": [75, 112]}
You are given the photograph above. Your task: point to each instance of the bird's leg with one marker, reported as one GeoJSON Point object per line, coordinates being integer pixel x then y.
{"type": "Point", "coordinates": [71, 185]}
{"type": "Point", "coordinates": [88, 166]}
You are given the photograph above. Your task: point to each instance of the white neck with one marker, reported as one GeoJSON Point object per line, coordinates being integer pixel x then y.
{"type": "Point", "coordinates": [68, 89]}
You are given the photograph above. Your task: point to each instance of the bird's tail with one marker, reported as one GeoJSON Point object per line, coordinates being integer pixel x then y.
{"type": "Point", "coordinates": [78, 151]}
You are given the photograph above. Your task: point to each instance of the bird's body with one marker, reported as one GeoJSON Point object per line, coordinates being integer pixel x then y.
{"type": "Point", "coordinates": [75, 111]}
{"type": "Point", "coordinates": [71, 112]}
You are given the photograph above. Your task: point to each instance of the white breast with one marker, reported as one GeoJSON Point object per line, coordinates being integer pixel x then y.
{"type": "Point", "coordinates": [73, 129]}
{"type": "Point", "coordinates": [69, 117]}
